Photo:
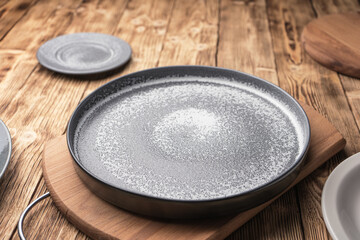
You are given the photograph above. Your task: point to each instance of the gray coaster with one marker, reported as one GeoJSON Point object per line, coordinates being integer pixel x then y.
{"type": "Point", "coordinates": [84, 53]}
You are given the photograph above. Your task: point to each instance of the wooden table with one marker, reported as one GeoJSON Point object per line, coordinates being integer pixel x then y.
{"type": "Point", "coordinates": [257, 37]}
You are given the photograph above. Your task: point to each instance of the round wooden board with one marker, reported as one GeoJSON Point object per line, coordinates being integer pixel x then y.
{"type": "Point", "coordinates": [334, 41]}
{"type": "Point", "coordinates": [101, 220]}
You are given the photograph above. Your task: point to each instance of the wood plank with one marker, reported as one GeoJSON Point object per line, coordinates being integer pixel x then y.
{"type": "Point", "coordinates": [47, 19]}
{"type": "Point", "coordinates": [66, 18]}
{"type": "Point", "coordinates": [29, 44]}
{"type": "Point", "coordinates": [193, 41]}
{"type": "Point", "coordinates": [11, 12]}
{"type": "Point", "coordinates": [143, 25]}
{"type": "Point", "coordinates": [100, 219]}
{"type": "Point", "coordinates": [22, 37]}
{"type": "Point", "coordinates": [2, 3]}
{"type": "Point", "coordinates": [247, 46]}
{"type": "Point", "coordinates": [307, 80]}
{"type": "Point", "coordinates": [324, 7]}
{"type": "Point", "coordinates": [72, 90]}
{"type": "Point", "coordinates": [303, 77]}
{"type": "Point", "coordinates": [34, 116]}
{"type": "Point", "coordinates": [350, 85]}
{"type": "Point", "coordinates": [8, 61]}
{"type": "Point", "coordinates": [352, 90]}
{"type": "Point", "coordinates": [245, 41]}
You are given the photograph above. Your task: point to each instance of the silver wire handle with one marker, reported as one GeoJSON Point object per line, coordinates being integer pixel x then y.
{"type": "Point", "coordinates": [25, 212]}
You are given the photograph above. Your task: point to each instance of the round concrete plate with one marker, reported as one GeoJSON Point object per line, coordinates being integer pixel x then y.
{"type": "Point", "coordinates": [84, 53]}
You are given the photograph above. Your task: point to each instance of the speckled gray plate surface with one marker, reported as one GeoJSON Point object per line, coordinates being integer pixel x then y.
{"type": "Point", "coordinates": [84, 53]}
{"type": "Point", "coordinates": [5, 148]}
{"type": "Point", "coordinates": [189, 133]}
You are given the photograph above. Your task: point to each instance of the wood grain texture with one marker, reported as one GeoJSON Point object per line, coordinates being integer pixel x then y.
{"type": "Point", "coordinates": [101, 220]}
{"type": "Point", "coordinates": [351, 86]}
{"type": "Point", "coordinates": [192, 41]}
{"type": "Point", "coordinates": [143, 25]}
{"type": "Point", "coordinates": [11, 12]}
{"type": "Point", "coordinates": [244, 39]}
{"type": "Point", "coordinates": [71, 89]}
{"type": "Point", "coordinates": [257, 36]}
{"type": "Point", "coordinates": [28, 110]}
{"type": "Point", "coordinates": [245, 44]}
{"type": "Point", "coordinates": [334, 41]}
{"type": "Point", "coordinates": [304, 78]}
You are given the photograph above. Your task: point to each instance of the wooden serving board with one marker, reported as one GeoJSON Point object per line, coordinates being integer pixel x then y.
{"type": "Point", "coordinates": [101, 220]}
{"type": "Point", "coordinates": [334, 41]}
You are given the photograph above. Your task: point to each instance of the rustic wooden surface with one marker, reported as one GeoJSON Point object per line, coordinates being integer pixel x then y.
{"type": "Point", "coordinates": [259, 37]}
{"type": "Point", "coordinates": [334, 41]}
{"type": "Point", "coordinates": [99, 219]}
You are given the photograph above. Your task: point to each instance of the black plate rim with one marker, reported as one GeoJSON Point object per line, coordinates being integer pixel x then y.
{"type": "Point", "coordinates": [293, 167]}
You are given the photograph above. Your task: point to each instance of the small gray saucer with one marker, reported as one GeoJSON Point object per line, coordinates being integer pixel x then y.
{"type": "Point", "coordinates": [84, 53]}
{"type": "Point", "coordinates": [5, 148]}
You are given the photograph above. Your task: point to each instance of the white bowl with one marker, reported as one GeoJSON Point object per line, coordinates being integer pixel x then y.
{"type": "Point", "coordinates": [341, 200]}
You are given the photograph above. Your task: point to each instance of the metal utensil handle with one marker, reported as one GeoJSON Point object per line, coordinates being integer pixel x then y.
{"type": "Point", "coordinates": [25, 212]}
